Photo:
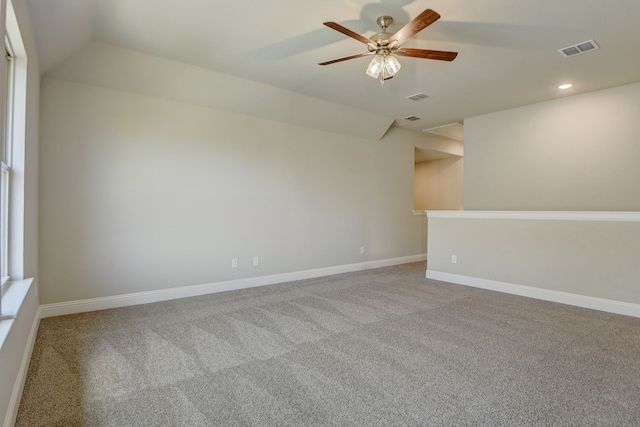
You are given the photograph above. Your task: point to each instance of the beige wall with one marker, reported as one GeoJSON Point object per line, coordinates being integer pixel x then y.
{"type": "Point", "coordinates": [575, 153]}
{"type": "Point", "coordinates": [578, 153]}
{"type": "Point", "coordinates": [141, 193]}
{"type": "Point", "coordinates": [592, 258]}
{"type": "Point", "coordinates": [438, 184]}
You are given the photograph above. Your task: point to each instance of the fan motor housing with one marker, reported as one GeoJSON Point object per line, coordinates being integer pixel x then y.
{"type": "Point", "coordinates": [380, 38]}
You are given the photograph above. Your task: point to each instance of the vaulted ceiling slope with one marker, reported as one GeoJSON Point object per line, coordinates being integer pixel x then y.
{"type": "Point", "coordinates": [260, 57]}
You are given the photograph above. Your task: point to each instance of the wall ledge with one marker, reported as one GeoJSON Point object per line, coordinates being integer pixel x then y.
{"type": "Point", "coordinates": [116, 301]}
{"type": "Point", "coordinates": [539, 215]}
{"type": "Point", "coordinates": [14, 295]}
{"type": "Point", "coordinates": [22, 329]}
{"type": "Point", "coordinates": [584, 301]}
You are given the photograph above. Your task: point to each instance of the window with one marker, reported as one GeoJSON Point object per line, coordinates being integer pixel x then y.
{"type": "Point", "coordinates": [13, 176]}
{"type": "Point", "coordinates": [5, 164]}
{"type": "Point", "coordinates": [5, 169]}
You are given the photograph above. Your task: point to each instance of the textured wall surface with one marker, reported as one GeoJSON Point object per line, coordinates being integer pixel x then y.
{"type": "Point", "coordinates": [141, 193]}
{"type": "Point", "coordinates": [576, 153]}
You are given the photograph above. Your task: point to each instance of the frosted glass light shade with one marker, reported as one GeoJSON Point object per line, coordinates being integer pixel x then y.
{"type": "Point", "coordinates": [391, 65]}
{"type": "Point", "coordinates": [375, 66]}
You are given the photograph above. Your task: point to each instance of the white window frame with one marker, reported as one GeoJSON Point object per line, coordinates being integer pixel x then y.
{"type": "Point", "coordinates": [5, 164]}
{"type": "Point", "coordinates": [12, 165]}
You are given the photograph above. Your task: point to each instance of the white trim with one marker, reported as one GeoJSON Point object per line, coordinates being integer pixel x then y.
{"type": "Point", "coordinates": [539, 215]}
{"type": "Point", "coordinates": [18, 387]}
{"type": "Point", "coordinates": [419, 213]}
{"type": "Point", "coordinates": [115, 301]}
{"type": "Point", "coordinates": [610, 306]}
{"type": "Point", "coordinates": [18, 144]}
{"type": "Point", "coordinates": [14, 294]}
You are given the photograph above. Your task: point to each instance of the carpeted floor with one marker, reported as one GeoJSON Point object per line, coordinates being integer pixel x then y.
{"type": "Point", "coordinates": [381, 347]}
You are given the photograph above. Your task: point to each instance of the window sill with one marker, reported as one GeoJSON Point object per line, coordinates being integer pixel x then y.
{"type": "Point", "coordinates": [14, 296]}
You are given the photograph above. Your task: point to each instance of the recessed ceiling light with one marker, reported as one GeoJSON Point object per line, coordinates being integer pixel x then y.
{"type": "Point", "coordinates": [565, 86]}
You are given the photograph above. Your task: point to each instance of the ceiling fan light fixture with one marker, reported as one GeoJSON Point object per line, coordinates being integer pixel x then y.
{"type": "Point", "coordinates": [383, 67]}
{"type": "Point", "coordinates": [384, 45]}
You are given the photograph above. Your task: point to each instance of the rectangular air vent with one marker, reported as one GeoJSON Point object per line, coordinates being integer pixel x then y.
{"type": "Point", "coordinates": [417, 96]}
{"type": "Point", "coordinates": [578, 48]}
{"type": "Point", "coordinates": [411, 118]}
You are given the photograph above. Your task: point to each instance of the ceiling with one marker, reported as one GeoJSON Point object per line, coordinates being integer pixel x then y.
{"type": "Point", "coordinates": [508, 49]}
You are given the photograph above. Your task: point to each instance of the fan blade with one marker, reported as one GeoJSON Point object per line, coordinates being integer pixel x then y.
{"type": "Point", "coordinates": [333, 61]}
{"type": "Point", "coordinates": [427, 54]}
{"type": "Point", "coordinates": [347, 32]}
{"type": "Point", "coordinates": [418, 24]}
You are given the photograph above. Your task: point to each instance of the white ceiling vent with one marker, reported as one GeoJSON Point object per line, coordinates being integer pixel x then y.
{"type": "Point", "coordinates": [579, 48]}
{"type": "Point", "coordinates": [411, 118]}
{"type": "Point", "coordinates": [417, 96]}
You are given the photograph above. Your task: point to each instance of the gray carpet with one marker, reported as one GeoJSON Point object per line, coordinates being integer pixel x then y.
{"type": "Point", "coordinates": [380, 347]}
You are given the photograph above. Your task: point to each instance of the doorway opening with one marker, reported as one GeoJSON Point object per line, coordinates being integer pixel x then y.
{"type": "Point", "coordinates": [438, 170]}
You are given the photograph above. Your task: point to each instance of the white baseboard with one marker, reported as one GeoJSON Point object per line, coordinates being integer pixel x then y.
{"type": "Point", "coordinates": [18, 387]}
{"type": "Point", "coordinates": [93, 304]}
{"type": "Point", "coordinates": [610, 306]}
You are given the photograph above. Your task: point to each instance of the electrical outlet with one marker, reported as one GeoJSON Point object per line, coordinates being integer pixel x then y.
{"type": "Point", "coordinates": [234, 263]}
{"type": "Point", "coordinates": [255, 261]}
{"type": "Point", "coordinates": [454, 259]}
{"type": "Point", "coordinates": [361, 250]}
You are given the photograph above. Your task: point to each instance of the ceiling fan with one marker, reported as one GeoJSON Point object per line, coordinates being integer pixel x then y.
{"type": "Point", "coordinates": [384, 45]}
